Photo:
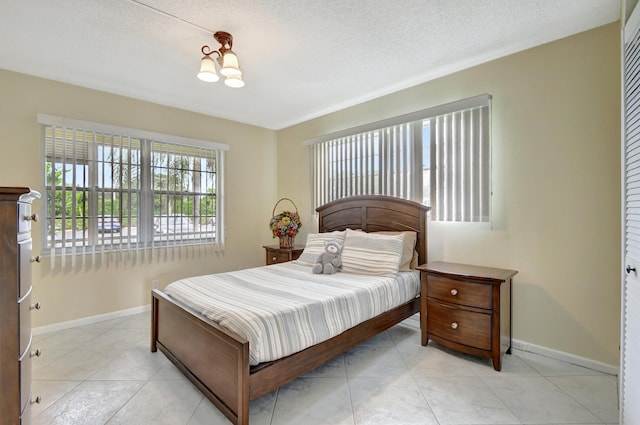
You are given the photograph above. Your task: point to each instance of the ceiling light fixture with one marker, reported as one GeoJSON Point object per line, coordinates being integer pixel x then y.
{"type": "Point", "coordinates": [227, 61]}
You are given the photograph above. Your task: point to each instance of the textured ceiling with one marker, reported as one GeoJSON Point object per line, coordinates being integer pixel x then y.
{"type": "Point", "coordinates": [300, 58]}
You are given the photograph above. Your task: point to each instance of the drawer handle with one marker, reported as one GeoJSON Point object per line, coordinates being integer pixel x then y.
{"type": "Point", "coordinates": [454, 325]}
{"type": "Point", "coordinates": [454, 292]}
{"type": "Point", "coordinates": [35, 306]}
{"type": "Point", "coordinates": [36, 400]}
{"type": "Point", "coordinates": [274, 259]}
{"type": "Point", "coordinates": [36, 353]}
{"type": "Point", "coordinates": [33, 217]}
{"type": "Point", "coordinates": [35, 259]}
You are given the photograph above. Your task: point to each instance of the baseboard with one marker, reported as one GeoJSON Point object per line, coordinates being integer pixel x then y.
{"type": "Point", "coordinates": [90, 320]}
{"type": "Point", "coordinates": [527, 347]}
{"type": "Point", "coordinates": [516, 344]}
{"type": "Point", "coordinates": [565, 357]}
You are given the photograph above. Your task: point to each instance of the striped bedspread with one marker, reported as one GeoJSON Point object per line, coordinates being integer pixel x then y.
{"type": "Point", "coordinates": [284, 308]}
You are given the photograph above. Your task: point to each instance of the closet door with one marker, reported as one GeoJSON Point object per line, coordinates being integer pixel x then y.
{"type": "Point", "coordinates": [630, 339]}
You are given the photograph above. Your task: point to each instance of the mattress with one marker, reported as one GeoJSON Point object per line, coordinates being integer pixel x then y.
{"type": "Point", "coordinates": [284, 308]}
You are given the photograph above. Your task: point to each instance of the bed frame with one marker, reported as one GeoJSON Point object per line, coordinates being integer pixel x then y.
{"type": "Point", "coordinates": [217, 360]}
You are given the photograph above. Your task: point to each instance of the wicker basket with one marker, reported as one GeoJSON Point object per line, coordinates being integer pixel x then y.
{"type": "Point", "coordinates": [285, 241]}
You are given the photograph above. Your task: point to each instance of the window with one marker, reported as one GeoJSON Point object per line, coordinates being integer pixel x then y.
{"type": "Point", "coordinates": [119, 190]}
{"type": "Point", "coordinates": [439, 156]}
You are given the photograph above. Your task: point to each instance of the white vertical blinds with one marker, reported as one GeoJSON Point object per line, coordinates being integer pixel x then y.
{"type": "Point", "coordinates": [460, 166]}
{"type": "Point", "coordinates": [111, 193]}
{"type": "Point", "coordinates": [630, 326]}
{"type": "Point", "coordinates": [439, 156]}
{"type": "Point", "coordinates": [374, 162]}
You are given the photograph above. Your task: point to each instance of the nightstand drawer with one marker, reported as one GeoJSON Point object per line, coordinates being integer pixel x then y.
{"type": "Point", "coordinates": [459, 292]}
{"type": "Point", "coordinates": [459, 325]}
{"type": "Point", "coordinates": [274, 256]}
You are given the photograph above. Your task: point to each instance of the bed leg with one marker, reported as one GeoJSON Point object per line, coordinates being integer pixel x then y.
{"type": "Point", "coordinates": [243, 419]}
{"type": "Point", "coordinates": [243, 388]}
{"type": "Point", "coordinates": [424, 335]}
{"type": "Point", "coordinates": [154, 323]}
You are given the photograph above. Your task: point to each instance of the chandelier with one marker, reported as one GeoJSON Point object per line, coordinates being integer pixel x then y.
{"type": "Point", "coordinates": [227, 61]}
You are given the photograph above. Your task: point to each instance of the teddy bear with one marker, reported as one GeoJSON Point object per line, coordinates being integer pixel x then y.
{"type": "Point", "coordinates": [330, 261]}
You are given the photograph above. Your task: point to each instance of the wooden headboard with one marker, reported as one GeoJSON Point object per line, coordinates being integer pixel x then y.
{"type": "Point", "coordinates": [373, 213]}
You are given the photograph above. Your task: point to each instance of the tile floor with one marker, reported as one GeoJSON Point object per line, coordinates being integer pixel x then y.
{"type": "Point", "coordinates": [105, 374]}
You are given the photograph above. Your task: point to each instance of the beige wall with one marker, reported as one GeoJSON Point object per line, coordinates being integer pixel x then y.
{"type": "Point", "coordinates": [118, 284]}
{"type": "Point", "coordinates": [556, 184]}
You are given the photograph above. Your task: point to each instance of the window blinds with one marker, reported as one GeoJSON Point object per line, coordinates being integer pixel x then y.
{"type": "Point", "coordinates": [117, 191]}
{"type": "Point", "coordinates": [375, 162]}
{"type": "Point", "coordinates": [460, 166]}
{"type": "Point", "coordinates": [439, 156]}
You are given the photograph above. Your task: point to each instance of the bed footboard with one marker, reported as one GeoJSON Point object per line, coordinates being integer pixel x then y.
{"type": "Point", "coordinates": [283, 371]}
{"type": "Point", "coordinates": [214, 359]}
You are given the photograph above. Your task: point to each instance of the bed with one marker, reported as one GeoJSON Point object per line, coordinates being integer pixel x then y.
{"type": "Point", "coordinates": [216, 359]}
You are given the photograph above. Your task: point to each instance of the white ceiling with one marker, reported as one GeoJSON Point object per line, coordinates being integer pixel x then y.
{"type": "Point", "coordinates": [300, 58]}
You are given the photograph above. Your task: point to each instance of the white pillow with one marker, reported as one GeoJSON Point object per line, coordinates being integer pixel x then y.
{"type": "Point", "coordinates": [409, 260]}
{"type": "Point", "coordinates": [372, 253]}
{"type": "Point", "coordinates": [315, 246]}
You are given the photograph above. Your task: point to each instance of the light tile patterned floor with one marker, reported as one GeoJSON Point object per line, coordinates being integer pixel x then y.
{"type": "Point", "coordinates": [105, 374]}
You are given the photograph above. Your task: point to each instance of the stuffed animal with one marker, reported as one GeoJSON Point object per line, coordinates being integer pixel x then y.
{"type": "Point", "coordinates": [330, 261]}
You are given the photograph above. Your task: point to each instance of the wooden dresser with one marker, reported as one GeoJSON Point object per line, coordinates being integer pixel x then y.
{"type": "Point", "coordinates": [275, 254]}
{"type": "Point", "coordinates": [16, 304]}
{"type": "Point", "coordinates": [467, 308]}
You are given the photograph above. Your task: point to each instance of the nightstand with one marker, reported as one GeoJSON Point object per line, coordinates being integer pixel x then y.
{"type": "Point", "coordinates": [275, 254]}
{"type": "Point", "coordinates": [467, 308]}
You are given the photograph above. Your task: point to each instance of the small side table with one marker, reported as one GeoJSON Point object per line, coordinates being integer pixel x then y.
{"type": "Point", "coordinates": [275, 254]}
{"type": "Point", "coordinates": [467, 308]}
